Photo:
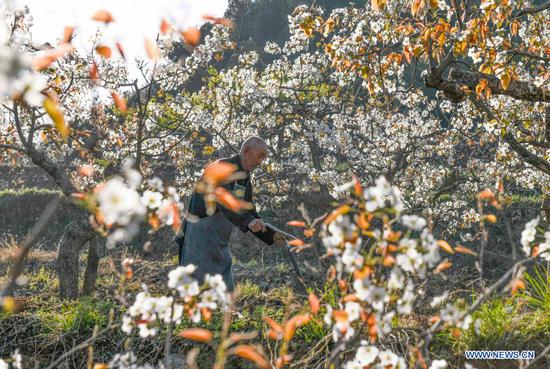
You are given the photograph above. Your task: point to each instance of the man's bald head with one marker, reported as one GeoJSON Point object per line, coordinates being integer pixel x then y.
{"type": "Point", "coordinates": [253, 152]}
{"type": "Point", "coordinates": [253, 142]}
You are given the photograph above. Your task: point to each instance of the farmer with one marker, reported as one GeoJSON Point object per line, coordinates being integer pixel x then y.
{"type": "Point", "coordinates": [205, 243]}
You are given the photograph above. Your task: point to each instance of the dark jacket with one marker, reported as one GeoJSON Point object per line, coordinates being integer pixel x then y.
{"type": "Point", "coordinates": [241, 219]}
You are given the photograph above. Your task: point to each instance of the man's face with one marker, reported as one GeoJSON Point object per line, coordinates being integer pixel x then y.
{"type": "Point", "coordinates": [253, 157]}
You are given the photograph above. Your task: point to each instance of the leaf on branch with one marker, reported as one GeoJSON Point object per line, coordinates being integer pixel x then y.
{"type": "Point", "coordinates": [43, 61]}
{"type": "Point", "coordinates": [222, 21]}
{"type": "Point", "coordinates": [491, 218]}
{"type": "Point", "coordinates": [465, 250]}
{"type": "Point", "coordinates": [94, 74]}
{"type": "Point", "coordinates": [417, 6]}
{"type": "Point", "coordinates": [248, 352]}
{"type": "Point", "coordinates": [344, 209]}
{"type": "Point", "coordinates": [297, 223]}
{"type": "Point", "coordinates": [218, 172]}
{"type": "Point", "coordinates": [104, 51]}
{"type": "Point", "coordinates": [293, 324]}
{"type": "Point", "coordinates": [120, 50]}
{"type": "Point", "coordinates": [443, 266]}
{"type": "Point", "coordinates": [152, 49]}
{"type": "Point", "coordinates": [314, 304]}
{"type": "Point", "coordinates": [486, 195]}
{"type": "Point", "coordinates": [67, 35]}
{"type": "Point", "coordinates": [445, 246]}
{"type": "Point", "coordinates": [296, 242]}
{"type": "Point", "coordinates": [482, 85]}
{"type": "Point", "coordinates": [232, 203]}
{"type": "Point", "coordinates": [57, 117]}
{"type": "Point", "coordinates": [103, 16]}
{"type": "Point", "coordinates": [505, 80]}
{"type": "Point", "coordinates": [197, 334]}
{"type": "Point", "coordinates": [378, 5]}
{"type": "Point", "coordinates": [120, 103]}
{"type": "Point", "coordinates": [165, 27]}
{"type": "Point", "coordinates": [192, 36]}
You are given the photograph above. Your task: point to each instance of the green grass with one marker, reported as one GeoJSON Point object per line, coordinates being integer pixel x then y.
{"type": "Point", "coordinates": [537, 293]}
{"type": "Point", "coordinates": [505, 323]}
{"type": "Point", "coordinates": [28, 191]}
{"type": "Point", "coordinates": [76, 316]}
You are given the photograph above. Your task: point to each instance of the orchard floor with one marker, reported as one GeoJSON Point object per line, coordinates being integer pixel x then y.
{"type": "Point", "coordinates": [44, 327]}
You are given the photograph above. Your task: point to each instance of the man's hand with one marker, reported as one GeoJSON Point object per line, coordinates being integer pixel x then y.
{"type": "Point", "coordinates": [279, 239]}
{"type": "Point", "coordinates": [257, 225]}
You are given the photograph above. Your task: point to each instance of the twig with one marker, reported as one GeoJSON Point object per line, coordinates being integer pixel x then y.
{"type": "Point", "coordinates": [81, 346]}
{"type": "Point", "coordinates": [542, 355]}
{"type": "Point", "coordinates": [35, 233]}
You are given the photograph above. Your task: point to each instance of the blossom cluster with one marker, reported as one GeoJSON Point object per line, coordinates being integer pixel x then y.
{"type": "Point", "coordinates": [119, 207]}
{"type": "Point", "coordinates": [18, 79]}
{"type": "Point", "coordinates": [149, 313]}
{"type": "Point", "coordinates": [528, 238]}
{"type": "Point", "coordinates": [384, 253]}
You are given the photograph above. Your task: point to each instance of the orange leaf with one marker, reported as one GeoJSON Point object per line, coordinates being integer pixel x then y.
{"type": "Point", "coordinates": [309, 232]}
{"type": "Point", "coordinates": [443, 266]}
{"type": "Point", "coordinates": [293, 323]}
{"type": "Point", "coordinates": [94, 75]}
{"type": "Point", "coordinates": [296, 242]}
{"type": "Point", "coordinates": [192, 36]}
{"type": "Point", "coordinates": [445, 246]}
{"type": "Point", "coordinates": [218, 172]}
{"type": "Point", "coordinates": [154, 221]}
{"type": "Point", "coordinates": [486, 194]}
{"type": "Point", "coordinates": [227, 199]}
{"type": "Point", "coordinates": [357, 186]}
{"type": "Point", "coordinates": [296, 223]}
{"type": "Point", "coordinates": [103, 16]}
{"type": "Point", "coordinates": [222, 21]}
{"type": "Point", "coordinates": [120, 103]}
{"type": "Point", "coordinates": [67, 34]}
{"type": "Point", "coordinates": [57, 117]}
{"type": "Point", "coordinates": [481, 86]}
{"type": "Point", "coordinates": [104, 51]}
{"type": "Point", "coordinates": [491, 218]}
{"type": "Point", "coordinates": [276, 331]}
{"type": "Point", "coordinates": [250, 353]}
{"type": "Point", "coordinates": [100, 366]}
{"type": "Point", "coordinates": [45, 60]}
{"type": "Point", "coordinates": [197, 334]}
{"type": "Point", "coordinates": [152, 49]}
{"type": "Point", "coordinates": [464, 250]}
{"type": "Point", "coordinates": [314, 304]}
{"type": "Point", "coordinates": [176, 223]}
{"type": "Point", "coordinates": [337, 212]}
{"type": "Point", "coordinates": [165, 27]}
{"type": "Point", "coordinates": [120, 50]}
{"type": "Point", "coordinates": [378, 4]}
{"type": "Point", "coordinates": [516, 285]}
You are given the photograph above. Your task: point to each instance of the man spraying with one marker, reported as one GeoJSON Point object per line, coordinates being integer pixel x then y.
{"type": "Point", "coordinates": [205, 243]}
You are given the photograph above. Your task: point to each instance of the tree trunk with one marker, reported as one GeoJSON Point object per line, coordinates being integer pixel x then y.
{"type": "Point", "coordinates": [90, 275]}
{"type": "Point", "coordinates": [76, 234]}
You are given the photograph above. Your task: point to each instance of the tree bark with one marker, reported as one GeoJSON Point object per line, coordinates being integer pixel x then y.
{"type": "Point", "coordinates": [90, 275]}
{"type": "Point", "coordinates": [75, 236]}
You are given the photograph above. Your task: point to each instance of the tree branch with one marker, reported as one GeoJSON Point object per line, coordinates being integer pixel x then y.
{"type": "Point", "coordinates": [532, 10]}
{"type": "Point", "coordinates": [520, 90]}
